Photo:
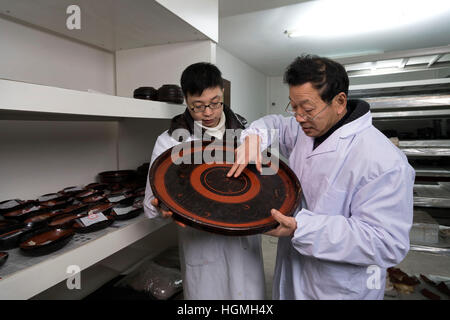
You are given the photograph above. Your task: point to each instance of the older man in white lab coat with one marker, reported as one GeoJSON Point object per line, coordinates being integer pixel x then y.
{"type": "Point", "coordinates": [357, 203]}
{"type": "Point", "coordinates": [213, 266]}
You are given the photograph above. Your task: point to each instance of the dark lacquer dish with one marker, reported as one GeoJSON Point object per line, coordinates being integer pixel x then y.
{"type": "Point", "coordinates": [42, 219]}
{"type": "Point", "coordinates": [28, 211]}
{"type": "Point", "coordinates": [52, 196]}
{"type": "Point", "coordinates": [65, 220]}
{"type": "Point", "coordinates": [11, 239]}
{"type": "Point", "coordinates": [87, 193]}
{"type": "Point", "coordinates": [96, 186]}
{"type": "Point", "coordinates": [75, 208]}
{"type": "Point", "coordinates": [70, 191]}
{"type": "Point", "coordinates": [8, 225]}
{"type": "Point", "coordinates": [3, 257]}
{"type": "Point", "coordinates": [13, 204]}
{"type": "Point", "coordinates": [57, 204]}
{"type": "Point", "coordinates": [124, 196]}
{"type": "Point", "coordinates": [94, 200]}
{"type": "Point", "coordinates": [202, 196]}
{"type": "Point", "coordinates": [126, 212]}
{"type": "Point", "coordinates": [103, 207]}
{"type": "Point", "coordinates": [45, 241]}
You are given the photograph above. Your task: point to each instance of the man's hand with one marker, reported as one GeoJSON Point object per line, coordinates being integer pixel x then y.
{"type": "Point", "coordinates": [287, 226]}
{"type": "Point", "coordinates": [165, 213]}
{"type": "Point", "coordinates": [246, 152]}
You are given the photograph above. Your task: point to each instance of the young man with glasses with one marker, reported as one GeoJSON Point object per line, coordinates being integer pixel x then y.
{"type": "Point", "coordinates": [213, 266]}
{"type": "Point", "coordinates": [357, 189]}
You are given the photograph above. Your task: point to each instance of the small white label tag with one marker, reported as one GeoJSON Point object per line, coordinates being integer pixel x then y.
{"type": "Point", "coordinates": [121, 211]}
{"type": "Point", "coordinates": [9, 204]}
{"type": "Point", "coordinates": [93, 218]}
{"type": "Point", "coordinates": [116, 199]}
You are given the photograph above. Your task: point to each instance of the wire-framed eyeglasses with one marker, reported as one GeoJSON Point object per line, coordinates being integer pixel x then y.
{"type": "Point", "coordinates": [293, 111]}
{"type": "Point", "coordinates": [212, 106]}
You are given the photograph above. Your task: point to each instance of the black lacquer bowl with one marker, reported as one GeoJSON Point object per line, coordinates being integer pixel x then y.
{"type": "Point", "coordinates": [120, 176]}
{"type": "Point", "coordinates": [146, 93]}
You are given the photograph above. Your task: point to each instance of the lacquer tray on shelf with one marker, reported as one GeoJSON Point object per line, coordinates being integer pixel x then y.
{"type": "Point", "coordinates": [200, 195]}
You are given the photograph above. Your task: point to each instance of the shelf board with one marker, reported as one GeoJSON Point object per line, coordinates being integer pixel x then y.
{"type": "Point", "coordinates": [20, 97]}
{"type": "Point", "coordinates": [20, 283]}
{"type": "Point", "coordinates": [432, 174]}
{"type": "Point", "coordinates": [443, 143]}
{"type": "Point", "coordinates": [411, 114]}
{"type": "Point", "coordinates": [434, 196]}
{"type": "Point", "coordinates": [415, 87]}
{"type": "Point", "coordinates": [110, 25]}
{"type": "Point", "coordinates": [425, 148]}
{"type": "Point", "coordinates": [417, 101]}
{"type": "Point", "coordinates": [426, 152]}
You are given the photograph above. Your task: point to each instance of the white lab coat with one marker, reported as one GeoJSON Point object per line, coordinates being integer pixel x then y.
{"type": "Point", "coordinates": [356, 214]}
{"type": "Point", "coordinates": [214, 266]}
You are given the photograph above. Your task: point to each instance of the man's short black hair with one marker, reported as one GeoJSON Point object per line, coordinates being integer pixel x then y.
{"type": "Point", "coordinates": [200, 76]}
{"type": "Point", "coordinates": [326, 75]}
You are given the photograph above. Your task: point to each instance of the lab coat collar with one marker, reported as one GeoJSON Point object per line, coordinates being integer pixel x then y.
{"type": "Point", "coordinates": [344, 132]}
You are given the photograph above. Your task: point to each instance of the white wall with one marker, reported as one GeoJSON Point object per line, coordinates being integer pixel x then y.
{"type": "Point", "coordinates": [136, 140]}
{"type": "Point", "coordinates": [201, 14]}
{"type": "Point", "coordinates": [39, 157]}
{"type": "Point", "coordinates": [151, 67]}
{"type": "Point", "coordinates": [248, 86]}
{"type": "Point", "coordinates": [278, 93]}
{"type": "Point", "coordinates": [34, 56]}
{"type": "Point", "coordinates": [157, 65]}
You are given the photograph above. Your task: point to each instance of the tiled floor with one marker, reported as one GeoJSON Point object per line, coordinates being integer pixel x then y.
{"type": "Point", "coordinates": [269, 246]}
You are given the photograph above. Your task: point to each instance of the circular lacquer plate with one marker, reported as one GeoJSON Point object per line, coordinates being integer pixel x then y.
{"type": "Point", "coordinates": [190, 180]}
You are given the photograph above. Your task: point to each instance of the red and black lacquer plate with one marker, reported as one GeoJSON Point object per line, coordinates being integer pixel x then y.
{"type": "Point", "coordinates": [190, 180]}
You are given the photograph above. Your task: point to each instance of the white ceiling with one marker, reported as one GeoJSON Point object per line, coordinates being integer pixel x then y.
{"type": "Point", "coordinates": [108, 24]}
{"type": "Point", "coordinates": [253, 30]}
{"type": "Point", "coordinates": [229, 8]}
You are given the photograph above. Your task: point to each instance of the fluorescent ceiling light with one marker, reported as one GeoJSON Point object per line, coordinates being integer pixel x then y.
{"type": "Point", "coordinates": [327, 18]}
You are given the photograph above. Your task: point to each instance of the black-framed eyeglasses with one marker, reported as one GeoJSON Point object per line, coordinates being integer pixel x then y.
{"type": "Point", "coordinates": [212, 106]}
{"type": "Point", "coordinates": [290, 109]}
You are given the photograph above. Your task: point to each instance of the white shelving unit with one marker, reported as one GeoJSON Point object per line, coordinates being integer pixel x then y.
{"type": "Point", "coordinates": [25, 97]}
{"type": "Point", "coordinates": [40, 114]}
{"type": "Point", "coordinates": [36, 277]}
{"type": "Point", "coordinates": [410, 106]}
